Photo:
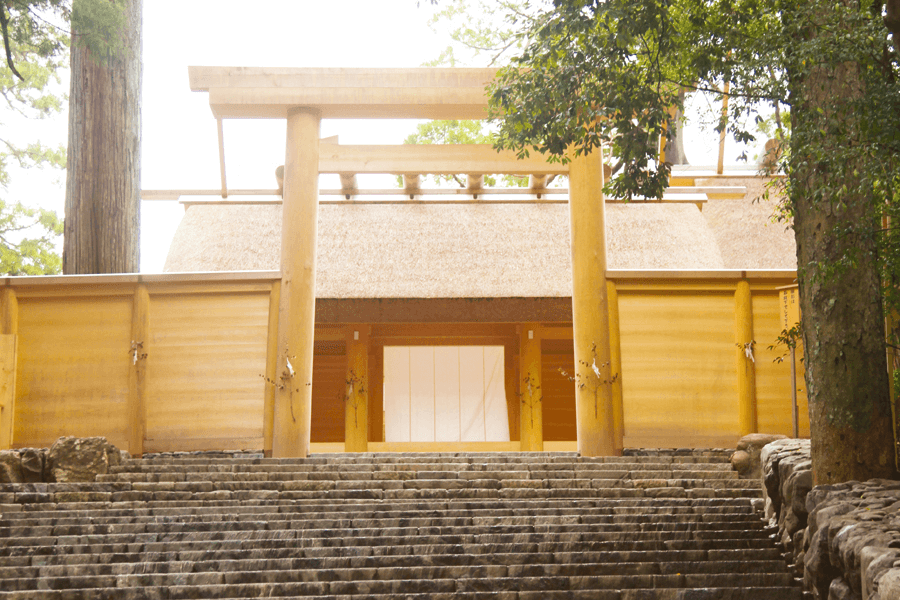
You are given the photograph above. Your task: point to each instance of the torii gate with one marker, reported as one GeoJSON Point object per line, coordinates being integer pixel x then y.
{"type": "Point", "coordinates": [306, 96]}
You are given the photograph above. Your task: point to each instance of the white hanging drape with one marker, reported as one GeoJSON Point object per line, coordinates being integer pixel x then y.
{"type": "Point", "coordinates": [444, 394]}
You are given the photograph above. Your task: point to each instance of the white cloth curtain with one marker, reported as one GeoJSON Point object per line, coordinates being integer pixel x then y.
{"type": "Point", "coordinates": [444, 394]}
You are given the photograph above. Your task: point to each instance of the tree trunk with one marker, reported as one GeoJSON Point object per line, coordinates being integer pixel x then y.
{"type": "Point", "coordinates": [840, 299]}
{"type": "Point", "coordinates": [103, 166]}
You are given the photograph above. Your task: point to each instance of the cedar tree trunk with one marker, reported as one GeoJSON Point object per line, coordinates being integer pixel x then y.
{"type": "Point", "coordinates": [103, 166]}
{"type": "Point", "coordinates": [843, 322]}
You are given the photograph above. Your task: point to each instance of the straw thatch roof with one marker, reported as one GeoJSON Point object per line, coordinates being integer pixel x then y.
{"type": "Point", "coordinates": [443, 250]}
{"type": "Point", "coordinates": [747, 236]}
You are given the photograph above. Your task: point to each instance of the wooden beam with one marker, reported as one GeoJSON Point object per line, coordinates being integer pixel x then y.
{"type": "Point", "coordinates": [474, 184]}
{"type": "Point", "coordinates": [412, 183]}
{"type": "Point", "coordinates": [745, 361]}
{"type": "Point", "coordinates": [590, 316]}
{"type": "Point", "coordinates": [204, 78]}
{"type": "Point", "coordinates": [222, 157]}
{"type": "Point", "coordinates": [271, 368]}
{"type": "Point", "coordinates": [531, 392]}
{"type": "Point", "coordinates": [356, 399]}
{"type": "Point", "coordinates": [423, 93]}
{"type": "Point", "coordinates": [450, 330]}
{"type": "Point", "coordinates": [350, 103]}
{"type": "Point", "coordinates": [293, 397]}
{"type": "Point", "coordinates": [615, 361]}
{"type": "Point", "coordinates": [9, 311]}
{"type": "Point", "coordinates": [349, 186]}
{"type": "Point", "coordinates": [720, 165]}
{"type": "Point", "coordinates": [9, 329]}
{"type": "Point", "coordinates": [333, 311]}
{"type": "Point", "coordinates": [137, 376]}
{"type": "Point", "coordinates": [474, 159]}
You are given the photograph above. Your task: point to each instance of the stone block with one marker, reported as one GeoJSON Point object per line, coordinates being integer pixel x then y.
{"type": "Point", "coordinates": [11, 467]}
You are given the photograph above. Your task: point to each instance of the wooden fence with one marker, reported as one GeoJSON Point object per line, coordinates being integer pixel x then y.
{"type": "Point", "coordinates": [179, 361]}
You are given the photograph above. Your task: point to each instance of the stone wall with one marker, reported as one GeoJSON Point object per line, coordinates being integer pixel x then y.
{"type": "Point", "coordinates": [69, 459]}
{"type": "Point", "coordinates": [844, 538]}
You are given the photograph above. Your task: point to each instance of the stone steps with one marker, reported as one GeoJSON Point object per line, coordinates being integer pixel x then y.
{"type": "Point", "coordinates": [657, 525]}
{"type": "Point", "coordinates": [126, 562]}
{"type": "Point", "coordinates": [409, 590]}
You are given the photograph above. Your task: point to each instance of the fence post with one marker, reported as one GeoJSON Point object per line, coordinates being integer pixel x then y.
{"type": "Point", "coordinates": [271, 369]}
{"type": "Point", "coordinates": [356, 398]}
{"type": "Point", "coordinates": [9, 329]}
{"type": "Point", "coordinates": [531, 423]}
{"type": "Point", "coordinates": [744, 357]}
{"type": "Point", "coordinates": [615, 360]}
{"type": "Point", "coordinates": [137, 378]}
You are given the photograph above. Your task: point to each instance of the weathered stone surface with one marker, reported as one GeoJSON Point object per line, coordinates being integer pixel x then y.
{"type": "Point", "coordinates": [10, 467]}
{"type": "Point", "coordinates": [80, 459]}
{"type": "Point", "coordinates": [840, 590]}
{"type": "Point", "coordinates": [875, 562]}
{"type": "Point", "coordinates": [845, 536]}
{"type": "Point", "coordinates": [888, 584]}
{"type": "Point", "coordinates": [34, 465]}
{"type": "Point", "coordinates": [746, 460]}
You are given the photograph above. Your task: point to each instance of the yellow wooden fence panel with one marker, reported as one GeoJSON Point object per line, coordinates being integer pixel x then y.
{"type": "Point", "coordinates": [678, 375]}
{"type": "Point", "coordinates": [73, 369]}
{"type": "Point", "coordinates": [773, 381]}
{"type": "Point", "coordinates": [205, 366]}
{"type": "Point", "coordinates": [7, 388]}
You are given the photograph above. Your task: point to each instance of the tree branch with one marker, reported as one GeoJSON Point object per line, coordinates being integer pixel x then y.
{"type": "Point", "coordinates": [4, 25]}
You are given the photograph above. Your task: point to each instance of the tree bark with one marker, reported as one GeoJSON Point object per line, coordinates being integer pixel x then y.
{"type": "Point", "coordinates": [102, 223]}
{"type": "Point", "coordinates": [841, 301]}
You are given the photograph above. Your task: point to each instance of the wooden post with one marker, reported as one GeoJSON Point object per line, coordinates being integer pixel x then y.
{"type": "Point", "coordinates": [590, 316]}
{"type": "Point", "coordinates": [297, 316]}
{"type": "Point", "coordinates": [745, 359]}
{"type": "Point", "coordinates": [720, 165]}
{"type": "Point", "coordinates": [531, 422]}
{"type": "Point", "coordinates": [137, 377]}
{"type": "Point", "coordinates": [356, 398]}
{"type": "Point", "coordinates": [615, 348]}
{"type": "Point", "coordinates": [9, 329]}
{"type": "Point", "coordinates": [271, 369]}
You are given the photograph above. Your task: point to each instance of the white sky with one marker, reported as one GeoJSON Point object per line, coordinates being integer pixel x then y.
{"type": "Point", "coordinates": [179, 146]}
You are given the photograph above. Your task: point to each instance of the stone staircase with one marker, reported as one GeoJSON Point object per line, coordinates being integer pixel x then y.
{"type": "Point", "coordinates": [651, 525]}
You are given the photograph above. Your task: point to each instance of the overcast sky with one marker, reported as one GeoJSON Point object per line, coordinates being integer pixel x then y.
{"type": "Point", "coordinates": [179, 146]}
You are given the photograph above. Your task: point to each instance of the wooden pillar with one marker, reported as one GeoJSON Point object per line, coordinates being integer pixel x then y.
{"type": "Point", "coordinates": [593, 373]}
{"type": "Point", "coordinates": [137, 376]}
{"type": "Point", "coordinates": [745, 359]}
{"type": "Point", "coordinates": [271, 369]}
{"type": "Point", "coordinates": [356, 398]}
{"type": "Point", "coordinates": [9, 330]}
{"type": "Point", "coordinates": [296, 322]}
{"type": "Point", "coordinates": [615, 349]}
{"type": "Point", "coordinates": [531, 424]}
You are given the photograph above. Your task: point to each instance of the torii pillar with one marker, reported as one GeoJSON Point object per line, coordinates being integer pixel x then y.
{"type": "Point", "coordinates": [594, 374]}
{"type": "Point", "coordinates": [297, 312]}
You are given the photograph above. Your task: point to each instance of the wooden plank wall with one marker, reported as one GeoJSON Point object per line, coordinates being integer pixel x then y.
{"type": "Point", "coordinates": [678, 372]}
{"type": "Point", "coordinates": [73, 368]}
{"type": "Point", "coordinates": [329, 390]}
{"type": "Point", "coordinates": [205, 366]}
{"type": "Point", "coordinates": [773, 384]}
{"type": "Point", "coordinates": [206, 357]}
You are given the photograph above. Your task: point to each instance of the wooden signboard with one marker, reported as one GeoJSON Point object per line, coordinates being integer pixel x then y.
{"type": "Point", "coordinates": [789, 303]}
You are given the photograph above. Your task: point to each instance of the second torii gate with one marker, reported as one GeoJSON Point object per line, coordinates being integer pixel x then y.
{"type": "Point", "coordinates": [306, 96]}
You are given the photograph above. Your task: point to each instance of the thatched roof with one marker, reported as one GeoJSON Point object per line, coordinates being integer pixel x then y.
{"type": "Point", "coordinates": [744, 229]}
{"type": "Point", "coordinates": [417, 250]}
